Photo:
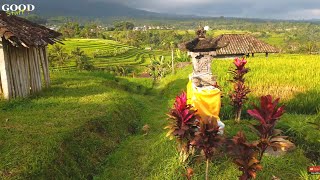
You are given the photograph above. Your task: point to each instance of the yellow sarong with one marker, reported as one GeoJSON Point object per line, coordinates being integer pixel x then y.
{"type": "Point", "coordinates": [206, 101]}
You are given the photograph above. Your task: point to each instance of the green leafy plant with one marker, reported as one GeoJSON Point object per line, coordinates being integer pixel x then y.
{"type": "Point", "coordinates": [159, 67]}
{"type": "Point", "coordinates": [82, 60]}
{"type": "Point", "coordinates": [118, 70]}
{"type": "Point", "coordinates": [181, 56]}
{"type": "Point", "coordinates": [245, 156]}
{"type": "Point", "coordinates": [58, 56]}
{"type": "Point", "coordinates": [208, 139]}
{"type": "Point", "coordinates": [240, 90]}
{"type": "Point", "coordinates": [316, 123]}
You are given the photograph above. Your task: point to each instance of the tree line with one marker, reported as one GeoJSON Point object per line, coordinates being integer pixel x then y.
{"type": "Point", "coordinates": [296, 37]}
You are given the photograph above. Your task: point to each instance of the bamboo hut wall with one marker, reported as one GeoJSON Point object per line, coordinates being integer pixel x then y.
{"type": "Point", "coordinates": [22, 69]}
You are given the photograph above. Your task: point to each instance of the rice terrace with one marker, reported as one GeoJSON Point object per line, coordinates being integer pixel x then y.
{"type": "Point", "coordinates": [117, 92]}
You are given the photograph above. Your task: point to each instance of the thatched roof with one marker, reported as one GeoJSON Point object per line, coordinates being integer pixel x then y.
{"type": "Point", "coordinates": [203, 44]}
{"type": "Point", "coordinates": [21, 32]}
{"type": "Point", "coordinates": [244, 44]}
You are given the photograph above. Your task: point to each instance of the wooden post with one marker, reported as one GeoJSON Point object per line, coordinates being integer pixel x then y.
{"type": "Point", "coordinates": [15, 74]}
{"type": "Point", "coordinates": [27, 73]}
{"type": "Point", "coordinates": [252, 54]}
{"type": "Point", "coordinates": [46, 60]}
{"type": "Point", "coordinates": [31, 70]}
{"type": "Point", "coordinates": [21, 72]}
{"type": "Point", "coordinates": [37, 70]}
{"type": "Point", "coordinates": [4, 70]}
{"type": "Point", "coordinates": [7, 46]}
{"type": "Point", "coordinates": [43, 65]}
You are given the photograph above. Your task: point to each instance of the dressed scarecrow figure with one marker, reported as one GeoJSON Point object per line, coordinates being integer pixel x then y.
{"type": "Point", "coordinates": [202, 91]}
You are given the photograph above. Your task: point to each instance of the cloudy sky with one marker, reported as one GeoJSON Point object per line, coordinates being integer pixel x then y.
{"type": "Point", "coordinates": [279, 9]}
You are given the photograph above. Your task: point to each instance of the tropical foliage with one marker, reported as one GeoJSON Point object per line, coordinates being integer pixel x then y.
{"type": "Point", "coordinates": [82, 60]}
{"type": "Point", "coordinates": [245, 156]}
{"type": "Point", "coordinates": [182, 124]}
{"type": "Point", "coordinates": [240, 90]}
{"type": "Point", "coordinates": [58, 56]}
{"type": "Point", "coordinates": [159, 67]}
{"type": "Point", "coordinates": [181, 56]}
{"type": "Point", "coordinates": [267, 115]}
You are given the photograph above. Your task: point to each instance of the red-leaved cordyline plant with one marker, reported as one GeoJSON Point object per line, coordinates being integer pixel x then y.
{"type": "Point", "coordinates": [267, 115]}
{"type": "Point", "coordinates": [182, 124]}
{"type": "Point", "coordinates": [208, 139]}
{"type": "Point", "coordinates": [244, 156]}
{"type": "Point", "coordinates": [240, 91]}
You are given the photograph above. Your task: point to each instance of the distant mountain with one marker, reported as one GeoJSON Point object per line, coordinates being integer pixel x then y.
{"type": "Point", "coordinates": [88, 9]}
{"type": "Point", "coordinates": [84, 8]}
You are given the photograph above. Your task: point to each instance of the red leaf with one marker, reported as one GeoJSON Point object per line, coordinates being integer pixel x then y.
{"type": "Point", "coordinates": [256, 114]}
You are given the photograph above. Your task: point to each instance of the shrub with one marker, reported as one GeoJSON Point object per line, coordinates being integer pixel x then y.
{"type": "Point", "coordinates": [159, 67]}
{"type": "Point", "coordinates": [190, 130]}
{"type": "Point", "coordinates": [181, 56]}
{"type": "Point", "coordinates": [245, 156]}
{"type": "Point", "coordinates": [239, 95]}
{"type": "Point", "coordinates": [267, 115]}
{"type": "Point", "coordinates": [82, 60]}
{"type": "Point", "coordinates": [58, 56]}
{"type": "Point", "coordinates": [208, 139]}
{"type": "Point", "coordinates": [182, 124]}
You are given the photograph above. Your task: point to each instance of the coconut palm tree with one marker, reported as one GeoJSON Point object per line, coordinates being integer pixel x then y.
{"type": "Point", "coordinates": [82, 60]}
{"type": "Point", "coordinates": [58, 56]}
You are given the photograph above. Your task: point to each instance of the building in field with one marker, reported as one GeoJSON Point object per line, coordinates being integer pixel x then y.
{"type": "Point", "coordinates": [243, 45]}
{"type": "Point", "coordinates": [24, 66]}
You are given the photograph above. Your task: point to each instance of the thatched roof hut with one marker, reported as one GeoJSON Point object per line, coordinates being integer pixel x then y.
{"type": "Point", "coordinates": [243, 44]}
{"type": "Point", "coordinates": [23, 56]}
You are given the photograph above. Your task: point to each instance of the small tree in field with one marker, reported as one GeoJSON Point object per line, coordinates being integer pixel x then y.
{"type": "Point", "coordinates": [58, 56]}
{"type": "Point", "coordinates": [208, 139]}
{"type": "Point", "coordinates": [82, 60]}
{"type": "Point", "coordinates": [159, 67]}
{"type": "Point", "coordinates": [240, 90]}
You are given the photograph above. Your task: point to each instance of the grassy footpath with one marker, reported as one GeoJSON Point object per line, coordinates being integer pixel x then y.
{"type": "Point", "coordinates": [68, 130]}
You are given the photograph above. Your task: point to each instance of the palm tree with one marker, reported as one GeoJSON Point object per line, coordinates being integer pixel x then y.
{"type": "Point", "coordinates": [158, 67]}
{"type": "Point", "coordinates": [171, 45]}
{"type": "Point", "coordinates": [58, 56]}
{"type": "Point", "coordinates": [82, 60]}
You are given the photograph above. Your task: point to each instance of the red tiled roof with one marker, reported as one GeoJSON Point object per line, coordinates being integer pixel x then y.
{"type": "Point", "coordinates": [244, 44]}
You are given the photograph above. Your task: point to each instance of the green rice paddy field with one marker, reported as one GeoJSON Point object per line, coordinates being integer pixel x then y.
{"type": "Point", "coordinates": [133, 57]}
{"type": "Point", "coordinates": [88, 124]}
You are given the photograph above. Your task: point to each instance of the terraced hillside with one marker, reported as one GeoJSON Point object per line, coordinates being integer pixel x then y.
{"type": "Point", "coordinates": [127, 55]}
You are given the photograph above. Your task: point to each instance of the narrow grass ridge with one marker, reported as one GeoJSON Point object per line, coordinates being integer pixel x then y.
{"type": "Point", "coordinates": [68, 130]}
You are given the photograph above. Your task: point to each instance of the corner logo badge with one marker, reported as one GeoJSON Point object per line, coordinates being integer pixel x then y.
{"type": "Point", "coordinates": [17, 9]}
